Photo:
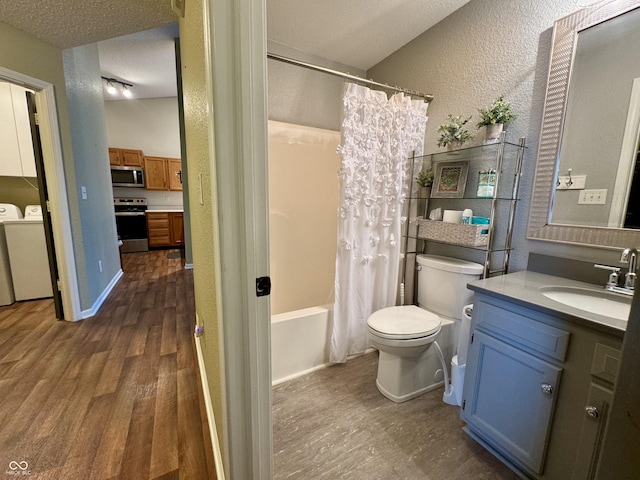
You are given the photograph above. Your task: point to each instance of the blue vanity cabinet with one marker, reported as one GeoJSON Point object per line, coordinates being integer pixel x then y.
{"type": "Point", "coordinates": [531, 380]}
{"type": "Point", "coordinates": [511, 401]}
{"type": "Point", "coordinates": [511, 383]}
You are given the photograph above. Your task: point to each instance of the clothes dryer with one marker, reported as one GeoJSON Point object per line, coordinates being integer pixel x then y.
{"type": "Point", "coordinates": [28, 255]}
{"type": "Point", "coordinates": [7, 212]}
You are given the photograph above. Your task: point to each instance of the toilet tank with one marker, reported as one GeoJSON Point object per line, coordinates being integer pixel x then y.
{"type": "Point", "coordinates": [442, 284]}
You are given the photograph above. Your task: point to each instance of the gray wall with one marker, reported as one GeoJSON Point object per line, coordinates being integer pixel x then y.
{"type": "Point", "coordinates": [96, 232]}
{"type": "Point", "coordinates": [485, 49]}
{"type": "Point", "coordinates": [305, 97]}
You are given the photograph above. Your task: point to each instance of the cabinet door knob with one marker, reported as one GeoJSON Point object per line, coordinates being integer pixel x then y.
{"type": "Point", "coordinates": [546, 389]}
{"type": "Point", "coordinates": [592, 411]}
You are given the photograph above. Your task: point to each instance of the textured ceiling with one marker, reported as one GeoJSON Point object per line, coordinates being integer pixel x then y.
{"type": "Point", "coordinates": [70, 23]}
{"type": "Point", "coordinates": [359, 33]}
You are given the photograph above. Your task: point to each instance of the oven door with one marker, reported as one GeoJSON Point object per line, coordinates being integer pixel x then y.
{"type": "Point", "coordinates": [132, 230]}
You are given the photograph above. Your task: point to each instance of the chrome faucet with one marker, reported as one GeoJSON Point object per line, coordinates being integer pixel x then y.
{"type": "Point", "coordinates": [630, 256]}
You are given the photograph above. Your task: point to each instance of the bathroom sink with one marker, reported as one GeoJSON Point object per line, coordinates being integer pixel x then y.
{"type": "Point", "coordinates": [599, 302]}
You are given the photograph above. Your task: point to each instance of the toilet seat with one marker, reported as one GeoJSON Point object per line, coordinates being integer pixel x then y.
{"type": "Point", "coordinates": [403, 323]}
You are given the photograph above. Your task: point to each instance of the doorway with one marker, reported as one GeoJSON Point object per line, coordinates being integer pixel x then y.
{"type": "Point", "coordinates": [41, 157]}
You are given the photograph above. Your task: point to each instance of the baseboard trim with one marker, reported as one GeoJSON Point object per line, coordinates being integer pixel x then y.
{"type": "Point", "coordinates": [217, 454]}
{"type": "Point", "coordinates": [103, 296]}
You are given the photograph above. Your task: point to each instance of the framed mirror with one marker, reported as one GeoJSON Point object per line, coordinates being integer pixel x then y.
{"type": "Point", "coordinates": [590, 123]}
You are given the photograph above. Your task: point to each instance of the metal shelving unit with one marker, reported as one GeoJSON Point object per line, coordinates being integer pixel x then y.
{"type": "Point", "coordinates": [493, 250]}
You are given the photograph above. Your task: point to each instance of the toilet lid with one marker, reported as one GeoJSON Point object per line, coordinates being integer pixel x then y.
{"type": "Point", "coordinates": [408, 321]}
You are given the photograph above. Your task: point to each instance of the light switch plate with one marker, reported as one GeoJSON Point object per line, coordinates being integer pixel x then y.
{"type": "Point", "coordinates": [83, 191]}
{"type": "Point", "coordinates": [593, 197]}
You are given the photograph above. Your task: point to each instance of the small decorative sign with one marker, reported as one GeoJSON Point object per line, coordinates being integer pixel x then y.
{"type": "Point", "coordinates": [450, 179]}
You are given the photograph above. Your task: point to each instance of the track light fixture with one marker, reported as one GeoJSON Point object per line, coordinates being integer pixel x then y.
{"type": "Point", "coordinates": [112, 90]}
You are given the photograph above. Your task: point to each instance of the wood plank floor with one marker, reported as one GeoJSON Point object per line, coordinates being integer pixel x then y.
{"type": "Point", "coordinates": [335, 424]}
{"type": "Point", "coordinates": [116, 396]}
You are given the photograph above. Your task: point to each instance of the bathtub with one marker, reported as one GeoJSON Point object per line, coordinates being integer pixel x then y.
{"type": "Point", "coordinates": [300, 342]}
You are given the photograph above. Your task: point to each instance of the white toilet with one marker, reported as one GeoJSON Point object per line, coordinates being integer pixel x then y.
{"type": "Point", "coordinates": [407, 367]}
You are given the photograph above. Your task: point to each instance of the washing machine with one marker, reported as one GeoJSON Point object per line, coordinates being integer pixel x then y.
{"type": "Point", "coordinates": [7, 212]}
{"type": "Point", "coordinates": [28, 255]}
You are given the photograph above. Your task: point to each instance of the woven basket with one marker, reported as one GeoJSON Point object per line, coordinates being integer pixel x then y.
{"type": "Point", "coordinates": [455, 233]}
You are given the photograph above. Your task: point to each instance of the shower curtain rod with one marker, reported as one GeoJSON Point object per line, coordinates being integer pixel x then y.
{"type": "Point", "coordinates": [347, 76]}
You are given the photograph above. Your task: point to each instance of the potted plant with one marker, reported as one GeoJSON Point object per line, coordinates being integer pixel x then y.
{"type": "Point", "coordinates": [424, 179]}
{"type": "Point", "coordinates": [452, 133]}
{"type": "Point", "coordinates": [495, 118]}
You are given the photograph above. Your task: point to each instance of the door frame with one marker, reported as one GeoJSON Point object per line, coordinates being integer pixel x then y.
{"type": "Point", "coordinates": [235, 70]}
{"type": "Point", "coordinates": [56, 181]}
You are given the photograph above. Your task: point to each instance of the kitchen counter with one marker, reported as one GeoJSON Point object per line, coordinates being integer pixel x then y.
{"type": "Point", "coordinates": [164, 209]}
{"type": "Point", "coordinates": [524, 288]}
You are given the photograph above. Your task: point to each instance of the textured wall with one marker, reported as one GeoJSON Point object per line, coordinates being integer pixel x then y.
{"type": "Point", "coordinates": [488, 48]}
{"type": "Point", "coordinates": [91, 164]}
{"type": "Point", "coordinates": [199, 158]}
{"type": "Point", "coordinates": [23, 53]}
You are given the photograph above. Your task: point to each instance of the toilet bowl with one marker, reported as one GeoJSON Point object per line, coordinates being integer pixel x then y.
{"type": "Point", "coordinates": [407, 365]}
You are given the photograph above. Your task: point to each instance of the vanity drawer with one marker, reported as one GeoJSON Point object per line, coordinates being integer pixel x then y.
{"type": "Point", "coordinates": [521, 329]}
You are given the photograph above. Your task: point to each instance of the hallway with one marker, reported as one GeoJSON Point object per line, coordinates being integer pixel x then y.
{"type": "Point", "coordinates": [114, 396]}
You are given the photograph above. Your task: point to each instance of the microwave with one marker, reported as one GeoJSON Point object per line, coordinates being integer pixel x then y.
{"type": "Point", "coordinates": [127, 177]}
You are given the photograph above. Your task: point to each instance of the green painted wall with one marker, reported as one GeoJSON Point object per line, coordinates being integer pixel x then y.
{"type": "Point", "coordinates": [197, 113]}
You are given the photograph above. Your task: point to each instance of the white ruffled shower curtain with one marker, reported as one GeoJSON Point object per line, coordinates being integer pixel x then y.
{"type": "Point", "coordinates": [378, 136]}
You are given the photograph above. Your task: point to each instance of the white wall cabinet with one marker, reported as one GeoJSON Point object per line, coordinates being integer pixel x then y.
{"type": "Point", "coordinates": [16, 155]}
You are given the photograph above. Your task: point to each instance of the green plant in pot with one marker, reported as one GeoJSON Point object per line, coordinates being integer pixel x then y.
{"type": "Point", "coordinates": [424, 179]}
{"type": "Point", "coordinates": [495, 118]}
{"type": "Point", "coordinates": [453, 134]}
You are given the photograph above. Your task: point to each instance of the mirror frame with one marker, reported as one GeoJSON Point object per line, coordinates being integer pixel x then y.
{"type": "Point", "coordinates": [565, 35]}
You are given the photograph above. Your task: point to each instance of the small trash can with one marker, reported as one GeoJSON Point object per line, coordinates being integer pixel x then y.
{"type": "Point", "coordinates": [459, 361]}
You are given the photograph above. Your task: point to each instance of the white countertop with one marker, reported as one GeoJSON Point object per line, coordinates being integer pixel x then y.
{"type": "Point", "coordinates": [164, 209]}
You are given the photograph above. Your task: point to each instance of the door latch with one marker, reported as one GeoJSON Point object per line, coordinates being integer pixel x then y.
{"type": "Point", "coordinates": [263, 286]}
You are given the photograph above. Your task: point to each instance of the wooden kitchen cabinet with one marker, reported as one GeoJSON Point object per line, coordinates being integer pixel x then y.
{"type": "Point", "coordinates": [163, 173]}
{"type": "Point", "coordinates": [125, 157]}
{"type": "Point", "coordinates": [165, 229]}
{"type": "Point", "coordinates": [155, 173]}
{"type": "Point", "coordinates": [176, 228]}
{"type": "Point", "coordinates": [174, 171]}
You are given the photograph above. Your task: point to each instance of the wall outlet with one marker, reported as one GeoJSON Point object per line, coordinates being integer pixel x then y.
{"type": "Point", "coordinates": [593, 197]}
{"type": "Point", "coordinates": [100, 265]}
